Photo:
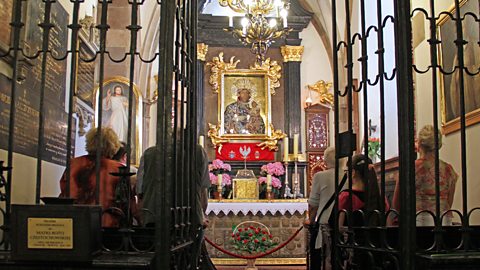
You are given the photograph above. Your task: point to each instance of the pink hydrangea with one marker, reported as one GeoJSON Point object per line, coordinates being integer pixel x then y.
{"type": "Point", "coordinates": [276, 183]}
{"type": "Point", "coordinates": [217, 164]}
{"type": "Point", "coordinates": [262, 180]}
{"type": "Point", "coordinates": [226, 167]}
{"type": "Point", "coordinates": [226, 180]}
{"type": "Point", "coordinates": [213, 179]}
{"type": "Point", "coordinates": [275, 168]}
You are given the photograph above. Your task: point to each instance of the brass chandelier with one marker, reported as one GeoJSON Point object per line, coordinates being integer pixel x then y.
{"type": "Point", "coordinates": [257, 30]}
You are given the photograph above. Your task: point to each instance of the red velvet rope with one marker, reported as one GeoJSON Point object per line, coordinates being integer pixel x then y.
{"type": "Point", "coordinates": [258, 255]}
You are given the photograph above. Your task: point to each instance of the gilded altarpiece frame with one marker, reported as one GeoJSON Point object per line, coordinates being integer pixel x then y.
{"type": "Point", "coordinates": [251, 121]}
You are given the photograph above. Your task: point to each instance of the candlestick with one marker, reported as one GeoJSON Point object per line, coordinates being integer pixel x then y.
{"type": "Point", "coordinates": [219, 180]}
{"type": "Point", "coordinates": [285, 194]}
{"type": "Point", "coordinates": [285, 149]}
{"type": "Point", "coordinates": [295, 146]}
{"type": "Point", "coordinates": [269, 182]}
{"type": "Point", "coordinates": [201, 141]}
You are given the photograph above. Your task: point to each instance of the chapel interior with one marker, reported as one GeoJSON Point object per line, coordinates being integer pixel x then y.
{"type": "Point", "coordinates": [266, 88]}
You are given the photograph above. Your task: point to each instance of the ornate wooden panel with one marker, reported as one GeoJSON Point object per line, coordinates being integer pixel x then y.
{"type": "Point", "coordinates": [317, 133]}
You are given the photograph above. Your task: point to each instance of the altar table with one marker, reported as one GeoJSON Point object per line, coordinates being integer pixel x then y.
{"type": "Point", "coordinates": [282, 217]}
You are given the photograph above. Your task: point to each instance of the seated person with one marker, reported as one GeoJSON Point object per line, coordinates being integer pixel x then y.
{"type": "Point", "coordinates": [83, 179]}
{"type": "Point", "coordinates": [425, 180]}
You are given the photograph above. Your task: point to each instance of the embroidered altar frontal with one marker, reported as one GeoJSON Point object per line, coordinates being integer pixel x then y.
{"type": "Point", "coordinates": [282, 217]}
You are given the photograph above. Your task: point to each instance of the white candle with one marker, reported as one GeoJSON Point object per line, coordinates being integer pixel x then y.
{"type": "Point", "coordinates": [219, 180]}
{"type": "Point", "coordinates": [201, 141]}
{"type": "Point", "coordinates": [285, 149]}
{"type": "Point", "coordinates": [269, 182]}
{"type": "Point", "coordinates": [285, 24]}
{"type": "Point", "coordinates": [295, 146]}
{"type": "Point", "coordinates": [230, 20]}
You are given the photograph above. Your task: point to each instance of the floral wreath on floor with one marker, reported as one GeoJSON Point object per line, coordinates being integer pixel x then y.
{"type": "Point", "coordinates": [218, 167]}
{"type": "Point", "coordinates": [276, 170]}
{"type": "Point", "coordinates": [252, 239]}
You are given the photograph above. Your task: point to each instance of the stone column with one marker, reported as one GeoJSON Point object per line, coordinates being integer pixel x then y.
{"type": "Point", "coordinates": [292, 57]}
{"type": "Point", "coordinates": [202, 50]}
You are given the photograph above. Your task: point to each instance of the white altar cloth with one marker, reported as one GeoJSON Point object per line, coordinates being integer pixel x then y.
{"type": "Point", "coordinates": [254, 208]}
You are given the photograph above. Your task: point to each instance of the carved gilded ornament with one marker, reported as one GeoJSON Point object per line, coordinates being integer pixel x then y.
{"type": "Point", "coordinates": [321, 87]}
{"type": "Point", "coordinates": [272, 141]}
{"type": "Point", "coordinates": [292, 53]}
{"type": "Point", "coordinates": [202, 50]}
{"type": "Point", "coordinates": [217, 68]}
{"type": "Point", "coordinates": [270, 70]}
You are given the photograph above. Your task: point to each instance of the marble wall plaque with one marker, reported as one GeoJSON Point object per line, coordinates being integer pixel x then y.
{"type": "Point", "coordinates": [26, 125]}
{"type": "Point", "coordinates": [55, 73]}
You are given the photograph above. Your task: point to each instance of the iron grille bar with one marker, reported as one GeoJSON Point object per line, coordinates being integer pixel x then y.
{"type": "Point", "coordinates": [381, 73]}
{"type": "Point", "coordinates": [103, 46]}
{"type": "Point", "coordinates": [73, 85]}
{"type": "Point", "coordinates": [133, 28]}
{"type": "Point", "coordinates": [364, 82]}
{"type": "Point", "coordinates": [46, 26]}
{"type": "Point", "coordinates": [460, 42]}
{"type": "Point", "coordinates": [165, 135]}
{"type": "Point", "coordinates": [406, 111]}
{"type": "Point", "coordinates": [433, 55]}
{"type": "Point", "coordinates": [336, 88]}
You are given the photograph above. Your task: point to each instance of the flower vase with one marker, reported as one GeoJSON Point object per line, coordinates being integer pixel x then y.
{"type": "Point", "coordinates": [251, 265]}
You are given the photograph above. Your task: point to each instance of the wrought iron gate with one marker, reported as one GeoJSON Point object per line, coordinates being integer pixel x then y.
{"type": "Point", "coordinates": [174, 55]}
{"type": "Point", "coordinates": [383, 246]}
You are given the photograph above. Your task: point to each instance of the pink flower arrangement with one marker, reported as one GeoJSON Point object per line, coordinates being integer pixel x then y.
{"type": "Point", "coordinates": [275, 168]}
{"type": "Point", "coordinates": [276, 183]}
{"type": "Point", "coordinates": [218, 165]}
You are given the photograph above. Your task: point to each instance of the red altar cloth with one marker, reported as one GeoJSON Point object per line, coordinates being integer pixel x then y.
{"type": "Point", "coordinates": [232, 151]}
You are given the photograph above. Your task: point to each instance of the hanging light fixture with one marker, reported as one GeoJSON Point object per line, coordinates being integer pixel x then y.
{"type": "Point", "coordinates": [257, 30]}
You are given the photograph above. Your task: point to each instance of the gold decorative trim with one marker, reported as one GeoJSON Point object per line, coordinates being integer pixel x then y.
{"type": "Point", "coordinates": [271, 142]}
{"type": "Point", "coordinates": [268, 141]}
{"type": "Point", "coordinates": [202, 50]}
{"type": "Point", "coordinates": [261, 261]}
{"type": "Point", "coordinates": [273, 70]}
{"type": "Point", "coordinates": [217, 68]}
{"type": "Point", "coordinates": [321, 87]}
{"type": "Point", "coordinates": [292, 53]}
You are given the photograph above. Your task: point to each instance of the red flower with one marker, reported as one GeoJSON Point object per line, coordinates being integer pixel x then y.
{"type": "Point", "coordinates": [256, 240]}
{"type": "Point", "coordinates": [270, 236]}
{"type": "Point", "coordinates": [238, 238]}
{"type": "Point", "coordinates": [251, 227]}
{"type": "Point", "coordinates": [245, 241]}
{"type": "Point", "coordinates": [250, 234]}
{"type": "Point", "coordinates": [233, 235]}
{"type": "Point", "coordinates": [257, 232]}
{"type": "Point", "coordinates": [264, 232]}
{"type": "Point", "coordinates": [240, 230]}
{"type": "Point", "coordinates": [238, 234]}
{"type": "Point", "coordinates": [264, 239]}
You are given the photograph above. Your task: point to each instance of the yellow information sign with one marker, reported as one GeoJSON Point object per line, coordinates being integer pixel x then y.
{"type": "Point", "coordinates": [50, 233]}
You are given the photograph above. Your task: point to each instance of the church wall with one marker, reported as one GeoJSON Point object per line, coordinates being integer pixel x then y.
{"type": "Point", "coordinates": [315, 66]}
{"type": "Point", "coordinates": [450, 152]}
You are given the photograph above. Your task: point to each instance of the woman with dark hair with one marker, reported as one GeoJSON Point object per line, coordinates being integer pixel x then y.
{"type": "Point", "coordinates": [365, 193]}
{"type": "Point", "coordinates": [364, 200]}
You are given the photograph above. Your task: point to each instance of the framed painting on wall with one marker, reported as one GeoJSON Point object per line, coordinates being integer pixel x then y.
{"type": "Point", "coordinates": [244, 102]}
{"type": "Point", "coordinates": [114, 106]}
{"type": "Point", "coordinates": [449, 59]}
